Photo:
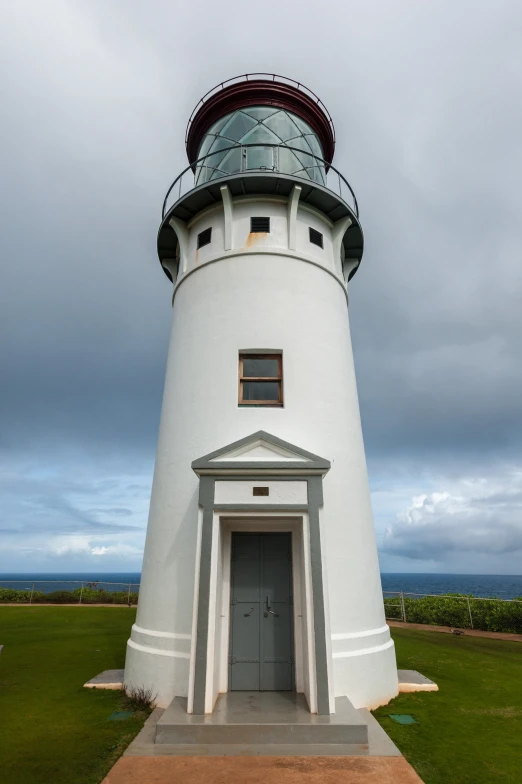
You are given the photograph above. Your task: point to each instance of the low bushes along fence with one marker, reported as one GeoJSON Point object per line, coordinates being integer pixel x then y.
{"type": "Point", "coordinates": [89, 593]}
{"type": "Point", "coordinates": [457, 610]}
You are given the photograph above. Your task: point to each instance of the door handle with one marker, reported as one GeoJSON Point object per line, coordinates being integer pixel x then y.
{"type": "Point", "coordinates": [249, 613]}
{"type": "Point", "coordinates": [268, 607]}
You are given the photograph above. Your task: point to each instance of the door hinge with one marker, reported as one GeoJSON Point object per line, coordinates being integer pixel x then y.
{"type": "Point", "coordinates": [232, 659]}
{"type": "Point", "coordinates": [233, 600]}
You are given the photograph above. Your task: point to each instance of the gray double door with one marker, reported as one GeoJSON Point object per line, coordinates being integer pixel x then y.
{"type": "Point", "coordinates": [261, 613]}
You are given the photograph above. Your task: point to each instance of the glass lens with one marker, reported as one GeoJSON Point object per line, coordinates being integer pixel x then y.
{"type": "Point", "coordinates": [260, 390]}
{"type": "Point", "coordinates": [267, 368]}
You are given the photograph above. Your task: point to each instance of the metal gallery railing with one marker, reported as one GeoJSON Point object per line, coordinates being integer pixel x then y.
{"type": "Point", "coordinates": [308, 167]}
{"type": "Point", "coordinates": [267, 77]}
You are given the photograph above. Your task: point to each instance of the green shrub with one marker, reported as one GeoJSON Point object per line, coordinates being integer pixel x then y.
{"type": "Point", "coordinates": [492, 615]}
{"type": "Point", "coordinates": [59, 597]}
{"type": "Point", "coordinates": [100, 596]}
{"type": "Point", "coordinates": [88, 596]}
{"type": "Point", "coordinates": [18, 595]}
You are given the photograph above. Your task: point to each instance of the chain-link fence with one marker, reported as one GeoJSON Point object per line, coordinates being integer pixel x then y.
{"type": "Point", "coordinates": [456, 610]}
{"type": "Point", "coordinates": [67, 592]}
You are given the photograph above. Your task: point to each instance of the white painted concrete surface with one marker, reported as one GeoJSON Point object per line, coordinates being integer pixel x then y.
{"type": "Point", "coordinates": [242, 492]}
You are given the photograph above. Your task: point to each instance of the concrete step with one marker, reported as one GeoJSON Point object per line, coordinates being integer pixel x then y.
{"type": "Point", "coordinates": [255, 718]}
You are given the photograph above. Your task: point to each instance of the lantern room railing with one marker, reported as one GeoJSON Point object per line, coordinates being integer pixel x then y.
{"type": "Point", "coordinates": [267, 77]}
{"type": "Point", "coordinates": [308, 167]}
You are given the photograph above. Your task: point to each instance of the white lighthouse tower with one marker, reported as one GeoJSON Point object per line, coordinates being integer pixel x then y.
{"type": "Point", "coordinates": [260, 570]}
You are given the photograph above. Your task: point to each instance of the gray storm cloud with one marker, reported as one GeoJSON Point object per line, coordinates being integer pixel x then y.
{"type": "Point", "coordinates": [426, 105]}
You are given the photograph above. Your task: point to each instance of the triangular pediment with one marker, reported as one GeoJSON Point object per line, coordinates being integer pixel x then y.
{"type": "Point", "coordinates": [260, 450]}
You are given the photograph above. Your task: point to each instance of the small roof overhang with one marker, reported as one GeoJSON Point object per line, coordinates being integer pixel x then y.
{"type": "Point", "coordinates": [260, 453]}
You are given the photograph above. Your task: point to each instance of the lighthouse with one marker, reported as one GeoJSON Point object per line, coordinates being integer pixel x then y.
{"type": "Point", "coordinates": [260, 571]}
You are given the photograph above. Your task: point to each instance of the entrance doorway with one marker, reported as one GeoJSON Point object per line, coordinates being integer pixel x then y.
{"type": "Point", "coordinates": [261, 613]}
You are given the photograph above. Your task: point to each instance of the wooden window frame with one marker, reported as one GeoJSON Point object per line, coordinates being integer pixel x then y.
{"type": "Point", "coordinates": [279, 379]}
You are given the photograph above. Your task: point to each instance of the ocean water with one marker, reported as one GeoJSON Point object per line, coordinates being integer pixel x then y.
{"type": "Point", "coordinates": [52, 581]}
{"type": "Point", "coordinates": [488, 585]}
{"type": "Point", "coordinates": [503, 586]}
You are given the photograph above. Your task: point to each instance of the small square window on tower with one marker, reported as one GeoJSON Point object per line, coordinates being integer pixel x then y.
{"type": "Point", "coordinates": [205, 237]}
{"type": "Point", "coordinates": [316, 238]}
{"type": "Point", "coordinates": [259, 225]}
{"type": "Point", "coordinates": [260, 380]}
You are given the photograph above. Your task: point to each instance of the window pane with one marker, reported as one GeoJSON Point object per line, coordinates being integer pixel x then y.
{"type": "Point", "coordinates": [260, 157]}
{"type": "Point", "coordinates": [261, 390]}
{"type": "Point", "coordinates": [237, 127]}
{"type": "Point", "coordinates": [231, 163]}
{"type": "Point", "coordinates": [205, 147]}
{"type": "Point", "coordinates": [282, 125]}
{"type": "Point", "coordinates": [301, 124]}
{"type": "Point", "coordinates": [259, 112]}
{"type": "Point", "coordinates": [261, 367]}
{"type": "Point", "coordinates": [260, 135]}
{"type": "Point", "coordinates": [289, 163]}
{"type": "Point", "coordinates": [219, 124]}
{"type": "Point", "coordinates": [311, 138]}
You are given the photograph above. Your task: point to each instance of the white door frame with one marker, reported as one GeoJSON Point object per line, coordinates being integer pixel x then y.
{"type": "Point", "coordinates": [219, 636]}
{"type": "Point", "coordinates": [293, 481]}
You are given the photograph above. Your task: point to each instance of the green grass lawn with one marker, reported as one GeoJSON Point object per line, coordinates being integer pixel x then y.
{"type": "Point", "coordinates": [53, 731]}
{"type": "Point", "coordinates": [469, 732]}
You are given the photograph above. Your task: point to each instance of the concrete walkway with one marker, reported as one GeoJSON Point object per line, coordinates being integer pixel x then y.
{"type": "Point", "coordinates": [262, 770]}
{"type": "Point", "coordinates": [148, 762]}
{"type": "Point", "coordinates": [447, 630]}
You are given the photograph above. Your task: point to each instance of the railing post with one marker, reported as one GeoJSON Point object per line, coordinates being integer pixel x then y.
{"type": "Point", "coordinates": [31, 597]}
{"type": "Point", "coordinates": [128, 596]}
{"type": "Point", "coordinates": [81, 594]}
{"type": "Point", "coordinates": [403, 607]}
{"type": "Point", "coordinates": [469, 610]}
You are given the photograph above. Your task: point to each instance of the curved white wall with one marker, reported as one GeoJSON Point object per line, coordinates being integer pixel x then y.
{"type": "Point", "coordinates": [260, 296]}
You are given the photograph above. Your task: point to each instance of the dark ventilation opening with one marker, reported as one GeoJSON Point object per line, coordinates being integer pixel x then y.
{"type": "Point", "coordinates": [259, 225]}
{"type": "Point", "coordinates": [316, 237]}
{"type": "Point", "coordinates": [204, 237]}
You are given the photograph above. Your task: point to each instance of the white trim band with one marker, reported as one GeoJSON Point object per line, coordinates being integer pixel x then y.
{"type": "Point", "coordinates": [165, 635]}
{"type": "Point", "coordinates": [363, 651]}
{"type": "Point", "coordinates": [157, 651]}
{"type": "Point", "coordinates": [355, 635]}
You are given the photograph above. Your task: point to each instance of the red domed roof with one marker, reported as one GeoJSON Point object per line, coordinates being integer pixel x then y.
{"type": "Point", "coordinates": [260, 90]}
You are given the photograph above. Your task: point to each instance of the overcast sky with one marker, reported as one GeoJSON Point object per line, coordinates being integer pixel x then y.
{"type": "Point", "coordinates": [426, 98]}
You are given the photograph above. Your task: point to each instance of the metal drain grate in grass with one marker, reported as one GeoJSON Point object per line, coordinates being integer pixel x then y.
{"type": "Point", "coordinates": [402, 718]}
{"type": "Point", "coordinates": [120, 715]}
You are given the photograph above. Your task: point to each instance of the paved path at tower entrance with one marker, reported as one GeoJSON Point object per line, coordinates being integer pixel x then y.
{"type": "Point", "coordinates": [261, 633]}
